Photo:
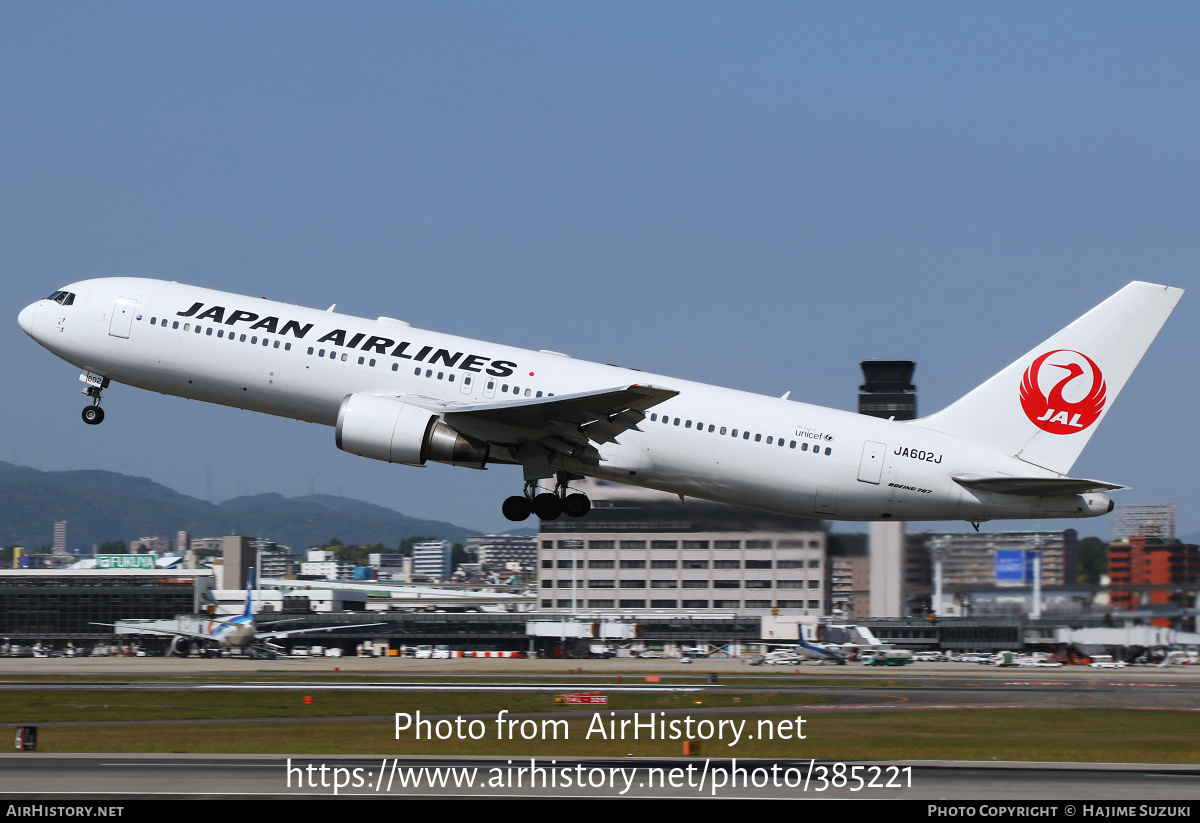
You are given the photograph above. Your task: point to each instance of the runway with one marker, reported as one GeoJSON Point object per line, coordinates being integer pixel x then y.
{"type": "Point", "coordinates": [815, 689]}
{"type": "Point", "coordinates": [109, 778]}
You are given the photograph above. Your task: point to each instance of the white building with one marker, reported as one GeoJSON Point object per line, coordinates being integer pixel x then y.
{"type": "Point", "coordinates": [432, 559]}
{"type": "Point", "coordinates": [502, 550]}
{"type": "Point", "coordinates": [640, 549]}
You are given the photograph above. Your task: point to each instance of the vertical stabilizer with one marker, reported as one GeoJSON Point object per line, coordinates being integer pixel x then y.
{"type": "Point", "coordinates": [1045, 407]}
{"type": "Point", "coordinates": [249, 612]}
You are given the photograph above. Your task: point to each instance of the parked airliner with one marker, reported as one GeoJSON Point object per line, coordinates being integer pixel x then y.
{"type": "Point", "coordinates": [397, 393]}
{"type": "Point", "coordinates": [235, 632]}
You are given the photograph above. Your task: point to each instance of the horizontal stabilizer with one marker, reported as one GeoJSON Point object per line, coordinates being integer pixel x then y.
{"type": "Point", "coordinates": [1038, 486]}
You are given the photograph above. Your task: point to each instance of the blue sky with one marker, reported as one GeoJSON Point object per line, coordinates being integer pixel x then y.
{"type": "Point", "coordinates": [755, 195]}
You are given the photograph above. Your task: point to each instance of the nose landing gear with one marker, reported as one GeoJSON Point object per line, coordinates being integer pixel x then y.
{"type": "Point", "coordinates": [93, 415]}
{"type": "Point", "coordinates": [547, 505]}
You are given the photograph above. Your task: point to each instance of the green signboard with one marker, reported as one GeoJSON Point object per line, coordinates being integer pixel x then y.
{"type": "Point", "coordinates": [125, 561]}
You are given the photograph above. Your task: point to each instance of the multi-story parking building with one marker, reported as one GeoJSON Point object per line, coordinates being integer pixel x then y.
{"type": "Point", "coordinates": [639, 549]}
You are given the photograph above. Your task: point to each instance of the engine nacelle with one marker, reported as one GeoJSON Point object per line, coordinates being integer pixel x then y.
{"type": "Point", "coordinates": [383, 428]}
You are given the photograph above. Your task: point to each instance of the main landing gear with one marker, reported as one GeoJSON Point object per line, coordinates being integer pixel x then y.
{"type": "Point", "coordinates": [93, 415]}
{"type": "Point", "coordinates": [547, 505]}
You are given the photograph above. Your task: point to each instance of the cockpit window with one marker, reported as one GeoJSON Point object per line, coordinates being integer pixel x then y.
{"type": "Point", "coordinates": [64, 298]}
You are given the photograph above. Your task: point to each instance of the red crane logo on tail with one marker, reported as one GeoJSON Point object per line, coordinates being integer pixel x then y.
{"type": "Point", "coordinates": [1052, 411]}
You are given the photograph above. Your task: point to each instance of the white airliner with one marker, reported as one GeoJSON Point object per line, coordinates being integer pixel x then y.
{"type": "Point", "coordinates": [404, 395]}
{"type": "Point", "coordinates": [236, 632]}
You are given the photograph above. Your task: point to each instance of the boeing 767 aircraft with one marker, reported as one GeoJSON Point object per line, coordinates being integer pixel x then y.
{"type": "Point", "coordinates": [396, 393]}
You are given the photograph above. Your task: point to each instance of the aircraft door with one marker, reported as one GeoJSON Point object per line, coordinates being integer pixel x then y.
{"type": "Point", "coordinates": [467, 384]}
{"type": "Point", "coordinates": [122, 317]}
{"type": "Point", "coordinates": [871, 466]}
{"type": "Point", "coordinates": [489, 387]}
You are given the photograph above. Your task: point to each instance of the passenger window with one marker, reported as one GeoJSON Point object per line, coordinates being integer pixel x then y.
{"type": "Point", "coordinates": [441, 375]}
{"type": "Point", "coordinates": [322, 354]}
{"type": "Point", "coordinates": [734, 433]}
{"type": "Point", "coordinates": [769, 439]}
{"type": "Point", "coordinates": [451, 378]}
{"type": "Point", "coordinates": [654, 418]}
{"type": "Point", "coordinates": [745, 435]}
{"type": "Point", "coordinates": [828, 450]}
{"type": "Point", "coordinates": [208, 331]}
{"type": "Point", "coordinates": [803, 447]}
{"type": "Point", "coordinates": [343, 357]}
{"type": "Point", "coordinates": [504, 387]}
{"type": "Point", "coordinates": [417, 372]}
{"type": "Point", "coordinates": [187, 326]}
{"type": "Point", "coordinates": [539, 394]}
{"type": "Point", "coordinates": [758, 438]}
{"type": "Point", "coordinates": [276, 344]}
{"type": "Point", "coordinates": [688, 424]}
{"type": "Point", "coordinates": [220, 332]}
{"type": "Point", "coordinates": [527, 392]}
{"type": "Point", "coordinates": [792, 444]}
{"type": "Point", "coordinates": [242, 338]}
{"type": "Point", "coordinates": [722, 430]}
{"type": "Point", "coordinates": [197, 330]}
{"type": "Point", "coordinates": [372, 363]}
{"type": "Point", "coordinates": [254, 340]}
{"type": "Point", "coordinates": [711, 427]}
{"type": "Point", "coordinates": [467, 379]}
{"type": "Point", "coordinates": [676, 421]}
{"type": "Point", "coordinates": [153, 321]}
{"type": "Point", "coordinates": [395, 367]}
{"type": "Point", "coordinates": [287, 346]}
{"type": "Point", "coordinates": [332, 354]}
{"type": "Point", "coordinates": [175, 325]}
{"type": "Point", "coordinates": [429, 372]}
{"type": "Point", "coordinates": [362, 360]}
{"type": "Point", "coordinates": [516, 389]}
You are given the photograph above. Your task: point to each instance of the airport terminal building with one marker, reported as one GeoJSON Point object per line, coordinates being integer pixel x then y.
{"type": "Point", "coordinates": [63, 604]}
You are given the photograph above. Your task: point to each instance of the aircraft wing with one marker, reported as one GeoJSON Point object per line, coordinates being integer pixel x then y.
{"type": "Point", "coordinates": [569, 423]}
{"type": "Point", "coordinates": [1034, 485]}
{"type": "Point", "coordinates": [171, 632]}
{"type": "Point", "coordinates": [273, 635]}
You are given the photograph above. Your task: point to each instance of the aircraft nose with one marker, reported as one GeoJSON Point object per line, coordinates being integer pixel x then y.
{"type": "Point", "coordinates": [25, 318]}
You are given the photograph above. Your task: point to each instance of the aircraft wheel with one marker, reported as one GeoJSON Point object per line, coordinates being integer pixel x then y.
{"type": "Point", "coordinates": [577, 505]}
{"type": "Point", "coordinates": [547, 506]}
{"type": "Point", "coordinates": [515, 508]}
{"type": "Point", "coordinates": [93, 415]}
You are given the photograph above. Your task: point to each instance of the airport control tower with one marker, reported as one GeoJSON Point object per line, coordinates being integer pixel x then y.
{"type": "Point", "coordinates": [887, 392]}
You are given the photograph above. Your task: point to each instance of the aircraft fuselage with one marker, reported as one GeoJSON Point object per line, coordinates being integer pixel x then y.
{"type": "Point", "coordinates": [707, 442]}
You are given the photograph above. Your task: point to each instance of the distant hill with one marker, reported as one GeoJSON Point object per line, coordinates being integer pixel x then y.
{"type": "Point", "coordinates": [103, 505]}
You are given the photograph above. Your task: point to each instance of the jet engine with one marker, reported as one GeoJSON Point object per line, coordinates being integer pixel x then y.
{"type": "Point", "coordinates": [180, 647]}
{"type": "Point", "coordinates": [384, 428]}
